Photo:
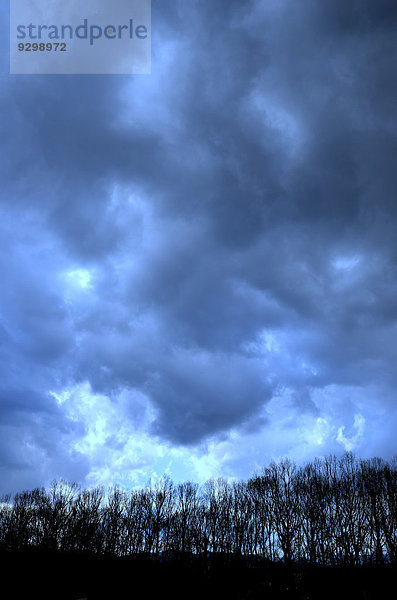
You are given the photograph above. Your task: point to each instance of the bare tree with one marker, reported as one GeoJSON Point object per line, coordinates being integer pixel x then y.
{"type": "Point", "coordinates": [334, 511]}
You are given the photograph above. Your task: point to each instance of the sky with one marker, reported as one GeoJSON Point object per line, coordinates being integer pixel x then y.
{"type": "Point", "coordinates": [199, 266]}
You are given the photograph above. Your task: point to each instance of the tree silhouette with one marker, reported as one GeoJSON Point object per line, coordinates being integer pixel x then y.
{"type": "Point", "coordinates": [330, 512]}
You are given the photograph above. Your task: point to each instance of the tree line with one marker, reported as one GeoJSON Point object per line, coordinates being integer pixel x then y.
{"type": "Point", "coordinates": [329, 512]}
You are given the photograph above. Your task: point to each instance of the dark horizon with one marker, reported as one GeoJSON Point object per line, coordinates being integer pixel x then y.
{"type": "Point", "coordinates": [292, 533]}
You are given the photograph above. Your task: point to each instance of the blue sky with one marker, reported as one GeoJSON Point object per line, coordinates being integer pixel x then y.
{"type": "Point", "coordinates": [199, 266]}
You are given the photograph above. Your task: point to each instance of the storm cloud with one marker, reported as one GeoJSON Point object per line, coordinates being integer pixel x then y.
{"type": "Point", "coordinates": [199, 267]}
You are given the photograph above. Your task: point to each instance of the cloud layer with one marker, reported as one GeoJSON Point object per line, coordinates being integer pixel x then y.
{"type": "Point", "coordinates": [199, 266]}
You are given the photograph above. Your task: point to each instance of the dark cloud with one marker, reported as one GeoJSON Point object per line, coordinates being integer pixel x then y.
{"type": "Point", "coordinates": [213, 235]}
